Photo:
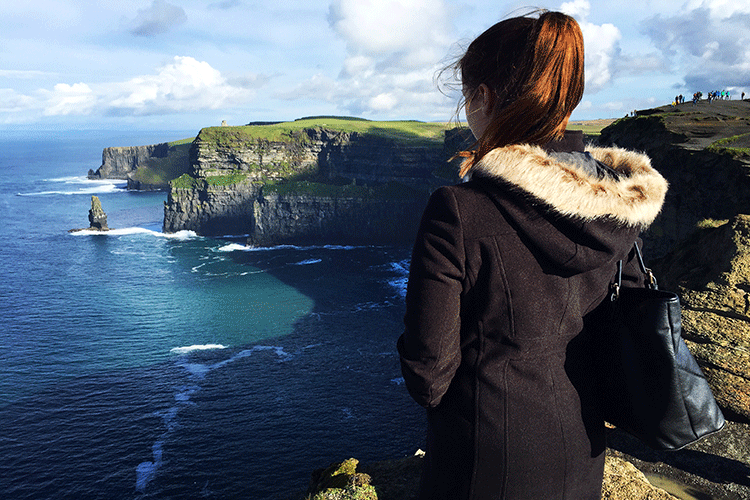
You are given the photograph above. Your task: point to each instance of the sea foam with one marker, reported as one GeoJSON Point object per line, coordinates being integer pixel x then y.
{"type": "Point", "coordinates": [147, 470]}
{"type": "Point", "coordinates": [192, 348]}
{"type": "Point", "coordinates": [126, 231]}
{"type": "Point", "coordinates": [87, 186]}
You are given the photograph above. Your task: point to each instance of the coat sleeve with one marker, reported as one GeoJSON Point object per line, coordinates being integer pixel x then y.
{"type": "Point", "coordinates": [430, 345]}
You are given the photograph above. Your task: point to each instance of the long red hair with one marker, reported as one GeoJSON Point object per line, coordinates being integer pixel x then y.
{"type": "Point", "coordinates": [534, 70]}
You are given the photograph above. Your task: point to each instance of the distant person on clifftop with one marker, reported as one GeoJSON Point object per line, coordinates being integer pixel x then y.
{"type": "Point", "coordinates": [505, 267]}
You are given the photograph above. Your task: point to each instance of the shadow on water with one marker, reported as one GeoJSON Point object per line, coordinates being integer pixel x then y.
{"type": "Point", "coordinates": [328, 390]}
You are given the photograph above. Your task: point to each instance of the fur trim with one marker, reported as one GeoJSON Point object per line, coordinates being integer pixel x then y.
{"type": "Point", "coordinates": [634, 199]}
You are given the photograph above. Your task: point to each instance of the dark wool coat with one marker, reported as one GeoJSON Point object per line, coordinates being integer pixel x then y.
{"type": "Point", "coordinates": [504, 268]}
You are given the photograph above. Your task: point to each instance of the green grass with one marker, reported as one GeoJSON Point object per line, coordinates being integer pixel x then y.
{"type": "Point", "coordinates": [186, 181]}
{"type": "Point", "coordinates": [722, 145]}
{"type": "Point", "coordinates": [179, 142]}
{"type": "Point", "coordinates": [226, 180]}
{"type": "Point", "coordinates": [407, 132]}
{"type": "Point", "coordinates": [588, 129]}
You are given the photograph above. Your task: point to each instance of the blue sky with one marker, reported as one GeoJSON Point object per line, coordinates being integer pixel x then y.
{"type": "Point", "coordinates": [186, 64]}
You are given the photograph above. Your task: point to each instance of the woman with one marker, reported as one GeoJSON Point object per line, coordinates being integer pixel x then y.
{"type": "Point", "coordinates": [504, 269]}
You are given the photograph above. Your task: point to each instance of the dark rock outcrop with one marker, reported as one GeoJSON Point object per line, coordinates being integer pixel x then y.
{"type": "Point", "coordinates": [711, 273]}
{"type": "Point", "coordinates": [119, 162]}
{"type": "Point", "coordinates": [341, 481]}
{"type": "Point", "coordinates": [701, 150]}
{"type": "Point", "coordinates": [97, 217]}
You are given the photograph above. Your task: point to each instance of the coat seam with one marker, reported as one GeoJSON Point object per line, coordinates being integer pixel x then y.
{"type": "Point", "coordinates": [562, 433]}
{"type": "Point", "coordinates": [477, 420]}
{"type": "Point", "coordinates": [441, 347]}
{"type": "Point", "coordinates": [507, 291]}
{"type": "Point", "coordinates": [504, 484]}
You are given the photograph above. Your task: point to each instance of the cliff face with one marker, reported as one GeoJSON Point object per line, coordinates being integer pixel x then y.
{"type": "Point", "coordinates": [313, 186]}
{"type": "Point", "coordinates": [702, 152]}
{"type": "Point", "coordinates": [146, 168]}
{"type": "Point", "coordinates": [117, 163]}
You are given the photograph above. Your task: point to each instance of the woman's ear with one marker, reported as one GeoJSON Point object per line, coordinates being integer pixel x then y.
{"type": "Point", "coordinates": [487, 99]}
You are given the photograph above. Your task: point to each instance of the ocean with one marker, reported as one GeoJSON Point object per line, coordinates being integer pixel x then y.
{"type": "Point", "coordinates": [140, 365]}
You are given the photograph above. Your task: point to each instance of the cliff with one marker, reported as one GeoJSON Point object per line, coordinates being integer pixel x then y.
{"type": "Point", "coordinates": [146, 168]}
{"type": "Point", "coordinates": [319, 180]}
{"type": "Point", "coordinates": [704, 153]}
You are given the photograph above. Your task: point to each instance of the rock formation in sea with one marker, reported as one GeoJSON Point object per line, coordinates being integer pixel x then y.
{"type": "Point", "coordinates": [310, 185]}
{"type": "Point", "coordinates": [97, 217]}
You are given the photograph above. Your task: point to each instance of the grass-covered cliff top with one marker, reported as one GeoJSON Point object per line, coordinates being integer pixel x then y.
{"type": "Point", "coordinates": [722, 126]}
{"type": "Point", "coordinates": [408, 132]}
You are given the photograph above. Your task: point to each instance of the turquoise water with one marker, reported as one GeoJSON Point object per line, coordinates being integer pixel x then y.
{"type": "Point", "coordinates": [135, 364]}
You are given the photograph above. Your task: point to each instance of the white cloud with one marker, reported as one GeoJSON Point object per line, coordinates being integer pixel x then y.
{"type": "Point", "coordinates": [67, 99]}
{"type": "Point", "coordinates": [22, 74]}
{"type": "Point", "coordinates": [159, 18]}
{"type": "Point", "coordinates": [394, 48]}
{"type": "Point", "coordinates": [380, 27]}
{"type": "Point", "coordinates": [12, 102]}
{"type": "Point", "coordinates": [577, 8]}
{"type": "Point", "coordinates": [614, 105]}
{"type": "Point", "coordinates": [383, 102]}
{"type": "Point", "coordinates": [720, 9]}
{"type": "Point", "coordinates": [710, 46]}
{"type": "Point", "coordinates": [601, 45]}
{"type": "Point", "coordinates": [183, 85]}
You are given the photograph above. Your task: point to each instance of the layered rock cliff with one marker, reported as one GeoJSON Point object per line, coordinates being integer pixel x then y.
{"type": "Point", "coordinates": [703, 152]}
{"type": "Point", "coordinates": [146, 168]}
{"type": "Point", "coordinates": [119, 162]}
{"type": "Point", "coordinates": [309, 185]}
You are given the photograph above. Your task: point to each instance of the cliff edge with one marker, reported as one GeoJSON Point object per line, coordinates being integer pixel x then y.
{"type": "Point", "coordinates": [325, 180]}
{"type": "Point", "coordinates": [703, 151]}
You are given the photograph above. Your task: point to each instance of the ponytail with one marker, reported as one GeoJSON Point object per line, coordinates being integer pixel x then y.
{"type": "Point", "coordinates": [535, 69]}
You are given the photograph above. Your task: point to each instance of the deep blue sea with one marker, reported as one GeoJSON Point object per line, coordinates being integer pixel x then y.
{"type": "Point", "coordinates": [139, 365]}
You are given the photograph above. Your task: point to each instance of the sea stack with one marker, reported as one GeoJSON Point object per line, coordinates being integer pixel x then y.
{"type": "Point", "coordinates": [97, 217]}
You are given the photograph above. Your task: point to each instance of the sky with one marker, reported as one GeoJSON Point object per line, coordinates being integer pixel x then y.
{"type": "Point", "coordinates": [187, 64]}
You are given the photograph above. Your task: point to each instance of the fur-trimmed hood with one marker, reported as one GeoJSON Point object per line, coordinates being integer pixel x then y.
{"type": "Point", "coordinates": [598, 183]}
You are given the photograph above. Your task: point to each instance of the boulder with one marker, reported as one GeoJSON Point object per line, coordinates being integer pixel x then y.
{"type": "Point", "coordinates": [622, 481]}
{"type": "Point", "coordinates": [711, 273]}
{"type": "Point", "coordinates": [341, 481]}
{"type": "Point", "coordinates": [399, 479]}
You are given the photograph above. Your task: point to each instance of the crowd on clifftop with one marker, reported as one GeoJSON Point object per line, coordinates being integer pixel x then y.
{"type": "Point", "coordinates": [712, 95]}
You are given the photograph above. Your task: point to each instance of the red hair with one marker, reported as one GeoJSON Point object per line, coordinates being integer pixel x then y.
{"type": "Point", "coordinates": [534, 70]}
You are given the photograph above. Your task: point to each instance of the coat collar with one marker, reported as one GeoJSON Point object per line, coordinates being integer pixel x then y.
{"type": "Point", "coordinates": [633, 196]}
